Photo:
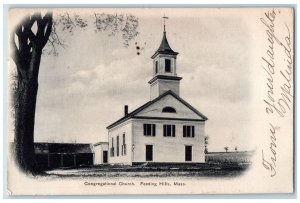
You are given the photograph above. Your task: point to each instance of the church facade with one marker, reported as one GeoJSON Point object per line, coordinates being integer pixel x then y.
{"type": "Point", "coordinates": [166, 129]}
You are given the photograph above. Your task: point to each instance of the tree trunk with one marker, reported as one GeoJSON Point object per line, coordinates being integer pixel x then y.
{"type": "Point", "coordinates": [27, 57]}
{"type": "Point", "coordinates": [25, 104]}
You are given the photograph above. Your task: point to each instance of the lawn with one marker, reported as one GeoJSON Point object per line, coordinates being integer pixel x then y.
{"type": "Point", "coordinates": [219, 164]}
{"type": "Point", "coordinates": [229, 157]}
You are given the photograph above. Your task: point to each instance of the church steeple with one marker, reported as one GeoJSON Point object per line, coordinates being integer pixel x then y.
{"type": "Point", "coordinates": [164, 47]}
{"type": "Point", "coordinates": [164, 69]}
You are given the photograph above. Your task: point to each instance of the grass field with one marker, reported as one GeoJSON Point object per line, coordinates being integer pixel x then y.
{"type": "Point", "coordinates": [229, 157]}
{"type": "Point", "coordinates": [218, 164]}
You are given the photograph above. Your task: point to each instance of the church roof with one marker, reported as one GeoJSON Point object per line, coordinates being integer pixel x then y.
{"type": "Point", "coordinates": [164, 47]}
{"type": "Point", "coordinates": [136, 111]}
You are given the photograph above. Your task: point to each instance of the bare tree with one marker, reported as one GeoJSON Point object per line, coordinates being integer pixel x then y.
{"type": "Point", "coordinates": [27, 44]}
{"type": "Point", "coordinates": [226, 149]}
{"type": "Point", "coordinates": [27, 57]}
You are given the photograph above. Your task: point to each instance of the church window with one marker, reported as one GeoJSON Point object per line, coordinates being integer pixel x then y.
{"type": "Point", "coordinates": [167, 65]}
{"type": "Point", "coordinates": [168, 109]}
{"type": "Point", "coordinates": [123, 145]}
{"type": "Point", "coordinates": [188, 131]}
{"type": "Point", "coordinates": [112, 149]}
{"type": "Point", "coordinates": [169, 130]}
{"type": "Point", "coordinates": [149, 129]}
{"type": "Point", "coordinates": [117, 145]}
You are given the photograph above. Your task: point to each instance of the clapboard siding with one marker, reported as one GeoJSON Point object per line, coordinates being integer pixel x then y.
{"type": "Point", "coordinates": [168, 149]}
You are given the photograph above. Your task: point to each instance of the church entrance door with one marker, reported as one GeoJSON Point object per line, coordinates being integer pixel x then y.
{"type": "Point", "coordinates": [188, 153]}
{"type": "Point", "coordinates": [149, 152]}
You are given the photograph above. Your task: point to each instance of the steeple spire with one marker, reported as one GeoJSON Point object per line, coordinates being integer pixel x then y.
{"type": "Point", "coordinates": [165, 17]}
{"type": "Point", "coordinates": [164, 47]}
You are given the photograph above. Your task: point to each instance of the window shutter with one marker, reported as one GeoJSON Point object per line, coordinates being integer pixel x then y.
{"type": "Point", "coordinates": [153, 129]}
{"type": "Point", "coordinates": [118, 146]}
{"type": "Point", "coordinates": [193, 131]}
{"type": "Point", "coordinates": [173, 130]}
{"type": "Point", "coordinates": [184, 131]}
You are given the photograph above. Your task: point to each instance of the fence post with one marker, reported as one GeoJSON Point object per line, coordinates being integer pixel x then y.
{"type": "Point", "coordinates": [61, 160]}
{"type": "Point", "coordinates": [74, 159]}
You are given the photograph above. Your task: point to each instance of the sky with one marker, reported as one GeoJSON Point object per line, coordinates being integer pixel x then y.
{"type": "Point", "coordinates": [85, 87]}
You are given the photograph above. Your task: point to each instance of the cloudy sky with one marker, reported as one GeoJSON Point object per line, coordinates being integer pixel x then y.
{"type": "Point", "coordinates": [85, 87]}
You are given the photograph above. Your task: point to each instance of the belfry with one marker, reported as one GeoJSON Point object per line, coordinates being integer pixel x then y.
{"type": "Point", "coordinates": [164, 70]}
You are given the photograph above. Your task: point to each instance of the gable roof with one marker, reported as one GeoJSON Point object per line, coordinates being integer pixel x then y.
{"type": "Point", "coordinates": [136, 111]}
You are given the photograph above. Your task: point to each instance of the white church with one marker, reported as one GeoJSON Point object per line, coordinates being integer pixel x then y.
{"type": "Point", "coordinates": [166, 129]}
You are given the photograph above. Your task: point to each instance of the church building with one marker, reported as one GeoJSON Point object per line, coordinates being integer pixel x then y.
{"type": "Point", "coordinates": [166, 129]}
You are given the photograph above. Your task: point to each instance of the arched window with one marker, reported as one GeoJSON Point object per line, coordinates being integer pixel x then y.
{"type": "Point", "coordinates": [169, 109]}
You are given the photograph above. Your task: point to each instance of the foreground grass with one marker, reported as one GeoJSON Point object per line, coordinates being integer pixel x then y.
{"type": "Point", "coordinates": [217, 165]}
{"type": "Point", "coordinates": [195, 170]}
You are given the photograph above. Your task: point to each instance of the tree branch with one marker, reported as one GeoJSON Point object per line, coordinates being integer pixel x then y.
{"type": "Point", "coordinates": [30, 34]}
{"type": "Point", "coordinates": [48, 17]}
{"type": "Point", "coordinates": [29, 21]}
{"type": "Point", "coordinates": [21, 37]}
{"type": "Point", "coordinates": [15, 55]}
{"type": "Point", "coordinates": [41, 24]}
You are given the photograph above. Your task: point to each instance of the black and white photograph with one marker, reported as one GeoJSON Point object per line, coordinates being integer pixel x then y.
{"type": "Point", "coordinates": [144, 100]}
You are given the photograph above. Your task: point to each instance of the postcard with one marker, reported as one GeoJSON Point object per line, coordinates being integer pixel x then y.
{"type": "Point", "coordinates": [112, 101]}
